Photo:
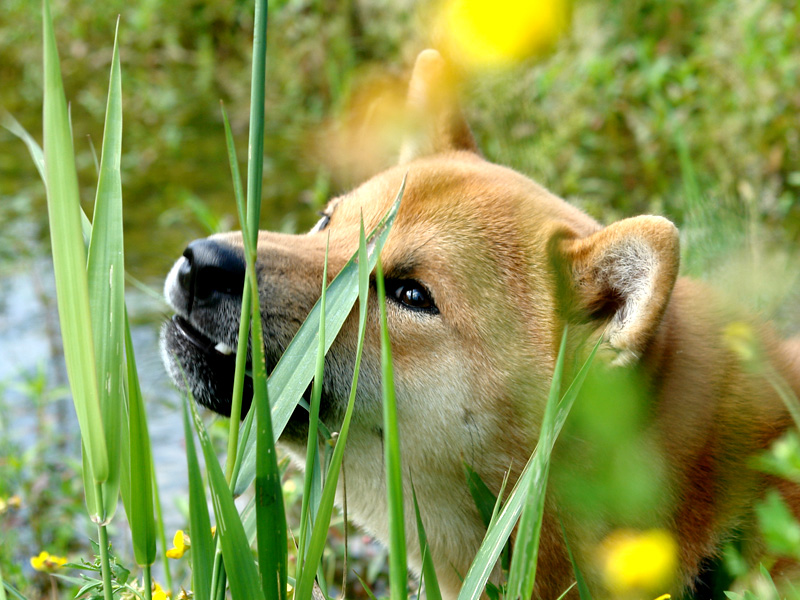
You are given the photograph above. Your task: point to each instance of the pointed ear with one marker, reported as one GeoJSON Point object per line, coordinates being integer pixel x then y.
{"type": "Point", "coordinates": [624, 275]}
{"type": "Point", "coordinates": [436, 122]}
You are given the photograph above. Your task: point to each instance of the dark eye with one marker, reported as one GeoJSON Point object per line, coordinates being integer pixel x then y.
{"type": "Point", "coordinates": [325, 218]}
{"type": "Point", "coordinates": [411, 294]}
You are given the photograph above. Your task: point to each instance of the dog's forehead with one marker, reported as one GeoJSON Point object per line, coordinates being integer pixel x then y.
{"type": "Point", "coordinates": [459, 193]}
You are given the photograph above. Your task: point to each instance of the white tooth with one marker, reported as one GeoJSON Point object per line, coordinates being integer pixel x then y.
{"type": "Point", "coordinates": [223, 348]}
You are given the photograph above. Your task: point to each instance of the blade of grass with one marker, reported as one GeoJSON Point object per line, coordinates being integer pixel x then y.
{"type": "Point", "coordinates": [316, 545]}
{"type": "Point", "coordinates": [498, 532]}
{"type": "Point", "coordinates": [269, 509]}
{"type": "Point", "coordinates": [199, 521]}
{"type": "Point", "coordinates": [106, 278]}
{"type": "Point", "coordinates": [69, 259]}
{"type": "Point", "coordinates": [432, 591]}
{"type": "Point", "coordinates": [313, 467]}
{"type": "Point", "coordinates": [583, 589]}
{"type": "Point", "coordinates": [295, 369]}
{"type": "Point", "coordinates": [141, 516]}
{"type": "Point", "coordinates": [270, 514]}
{"type": "Point", "coordinates": [522, 573]}
{"type": "Point", "coordinates": [239, 564]}
{"type": "Point", "coordinates": [398, 571]}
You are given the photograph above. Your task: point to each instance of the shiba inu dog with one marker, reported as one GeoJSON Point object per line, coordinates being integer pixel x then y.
{"type": "Point", "coordinates": [483, 269]}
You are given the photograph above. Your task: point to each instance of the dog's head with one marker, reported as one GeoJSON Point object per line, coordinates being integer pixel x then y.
{"type": "Point", "coordinates": [482, 266]}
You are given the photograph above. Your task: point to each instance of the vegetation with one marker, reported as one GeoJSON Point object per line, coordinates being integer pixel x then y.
{"type": "Point", "coordinates": [683, 108]}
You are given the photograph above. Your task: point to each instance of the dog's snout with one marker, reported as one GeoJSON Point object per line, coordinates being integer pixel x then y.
{"type": "Point", "coordinates": [211, 267]}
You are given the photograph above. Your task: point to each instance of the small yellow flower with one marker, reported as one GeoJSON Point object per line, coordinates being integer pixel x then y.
{"type": "Point", "coordinates": [638, 560]}
{"type": "Point", "coordinates": [490, 34]}
{"type": "Point", "coordinates": [664, 597]}
{"type": "Point", "coordinates": [159, 593]}
{"type": "Point", "coordinates": [47, 563]}
{"type": "Point", "coordinates": [181, 543]}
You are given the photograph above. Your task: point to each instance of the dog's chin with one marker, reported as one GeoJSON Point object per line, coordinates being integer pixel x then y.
{"type": "Point", "coordinates": [197, 367]}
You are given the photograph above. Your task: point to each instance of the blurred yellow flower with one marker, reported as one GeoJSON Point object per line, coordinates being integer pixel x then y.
{"type": "Point", "coordinates": [181, 543]}
{"type": "Point", "coordinates": [47, 563]}
{"type": "Point", "coordinates": [638, 560]}
{"type": "Point", "coordinates": [664, 597]}
{"type": "Point", "coordinates": [490, 34]}
{"type": "Point", "coordinates": [159, 593]}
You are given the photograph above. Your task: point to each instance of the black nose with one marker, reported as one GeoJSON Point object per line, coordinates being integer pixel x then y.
{"type": "Point", "coordinates": [211, 268]}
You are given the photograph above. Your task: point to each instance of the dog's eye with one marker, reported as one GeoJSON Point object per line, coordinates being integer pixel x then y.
{"type": "Point", "coordinates": [411, 294]}
{"type": "Point", "coordinates": [325, 218]}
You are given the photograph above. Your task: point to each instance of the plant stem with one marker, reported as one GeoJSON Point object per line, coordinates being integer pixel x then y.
{"type": "Point", "coordinates": [162, 538]}
{"type": "Point", "coordinates": [105, 565]}
{"type": "Point", "coordinates": [238, 385]}
{"type": "Point", "coordinates": [148, 583]}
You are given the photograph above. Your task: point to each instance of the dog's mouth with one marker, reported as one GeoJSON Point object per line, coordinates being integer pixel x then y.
{"type": "Point", "coordinates": [201, 341]}
{"type": "Point", "coordinates": [205, 366]}
{"type": "Point", "coordinates": [212, 386]}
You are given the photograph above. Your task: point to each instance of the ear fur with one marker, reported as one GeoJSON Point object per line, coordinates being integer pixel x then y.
{"type": "Point", "coordinates": [624, 273]}
{"type": "Point", "coordinates": [437, 124]}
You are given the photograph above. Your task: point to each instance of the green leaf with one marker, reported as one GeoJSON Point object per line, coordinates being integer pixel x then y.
{"type": "Point", "coordinates": [500, 530]}
{"type": "Point", "coordinates": [141, 516]}
{"type": "Point", "coordinates": [199, 521]}
{"type": "Point", "coordinates": [583, 589]}
{"type": "Point", "coordinates": [316, 545]}
{"type": "Point", "coordinates": [106, 278]}
{"type": "Point", "coordinates": [295, 369]}
{"type": "Point", "coordinates": [69, 260]}
{"type": "Point", "coordinates": [522, 573]}
{"type": "Point", "coordinates": [398, 571]}
{"type": "Point", "coordinates": [432, 591]}
{"type": "Point", "coordinates": [270, 515]}
{"type": "Point", "coordinates": [239, 564]}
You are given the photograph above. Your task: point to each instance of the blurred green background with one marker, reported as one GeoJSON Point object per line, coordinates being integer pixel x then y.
{"type": "Point", "coordinates": [600, 121]}
{"type": "Point", "coordinates": [685, 108]}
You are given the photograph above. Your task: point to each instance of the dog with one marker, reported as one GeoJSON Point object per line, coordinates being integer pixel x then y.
{"type": "Point", "coordinates": [483, 270]}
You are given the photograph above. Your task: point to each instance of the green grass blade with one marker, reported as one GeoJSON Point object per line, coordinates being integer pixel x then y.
{"type": "Point", "coordinates": [269, 509]}
{"type": "Point", "coordinates": [522, 574]}
{"type": "Point", "coordinates": [398, 571]}
{"type": "Point", "coordinates": [255, 162]}
{"type": "Point", "coordinates": [69, 259]}
{"type": "Point", "coordinates": [270, 515]}
{"type": "Point", "coordinates": [141, 516]}
{"type": "Point", "coordinates": [106, 276]}
{"type": "Point", "coordinates": [483, 497]}
{"type": "Point", "coordinates": [295, 369]}
{"type": "Point", "coordinates": [37, 155]}
{"type": "Point", "coordinates": [316, 545]}
{"type": "Point", "coordinates": [432, 591]}
{"type": "Point", "coordinates": [199, 521]}
{"type": "Point", "coordinates": [313, 467]}
{"type": "Point", "coordinates": [239, 564]}
{"type": "Point", "coordinates": [583, 589]}
{"type": "Point", "coordinates": [497, 534]}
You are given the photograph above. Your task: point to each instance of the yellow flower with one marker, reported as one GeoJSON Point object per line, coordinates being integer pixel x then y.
{"type": "Point", "coordinates": [490, 34]}
{"type": "Point", "coordinates": [638, 560]}
{"type": "Point", "coordinates": [181, 543]}
{"type": "Point", "coordinates": [664, 597]}
{"type": "Point", "coordinates": [47, 563]}
{"type": "Point", "coordinates": [159, 593]}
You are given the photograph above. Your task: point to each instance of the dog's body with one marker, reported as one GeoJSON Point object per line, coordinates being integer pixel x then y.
{"type": "Point", "coordinates": [484, 268]}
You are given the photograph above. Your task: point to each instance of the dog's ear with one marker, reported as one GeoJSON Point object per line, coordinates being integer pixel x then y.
{"type": "Point", "coordinates": [436, 123]}
{"type": "Point", "coordinates": [623, 275]}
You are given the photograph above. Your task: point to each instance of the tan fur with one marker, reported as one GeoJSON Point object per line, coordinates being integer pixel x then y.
{"type": "Point", "coordinates": [508, 264]}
